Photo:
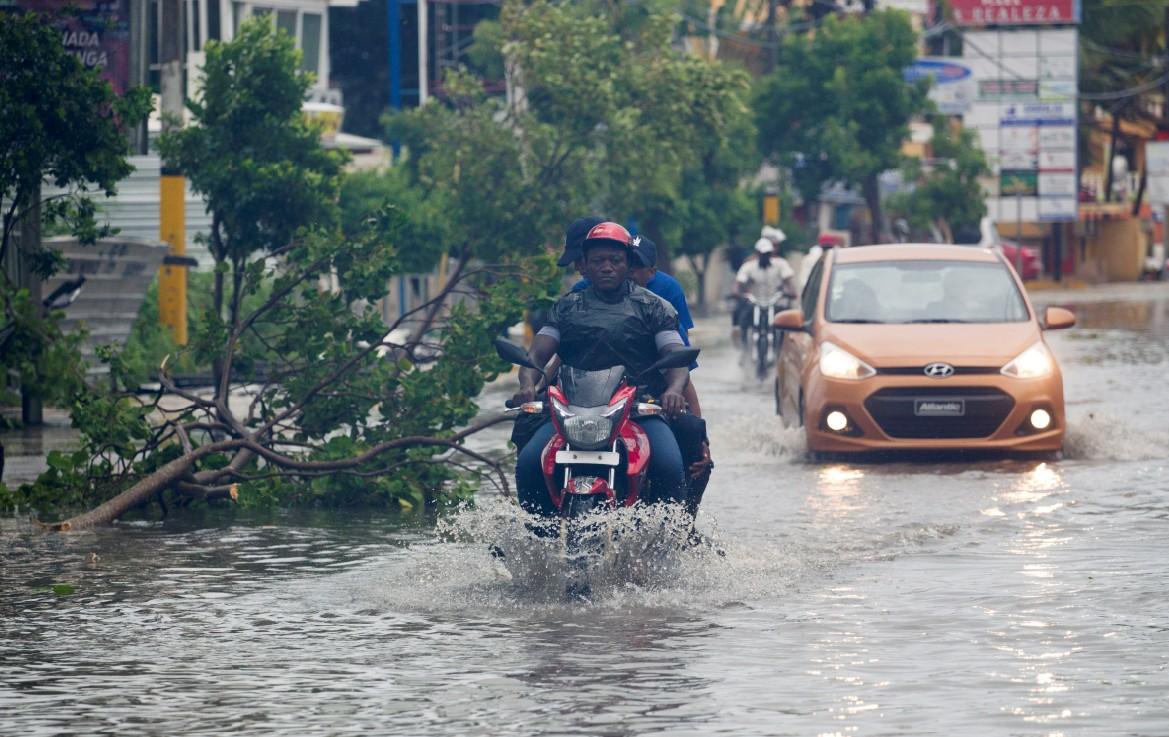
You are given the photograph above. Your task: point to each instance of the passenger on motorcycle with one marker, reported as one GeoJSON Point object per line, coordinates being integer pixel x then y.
{"type": "Point", "coordinates": [613, 322]}
{"type": "Point", "coordinates": [762, 277]}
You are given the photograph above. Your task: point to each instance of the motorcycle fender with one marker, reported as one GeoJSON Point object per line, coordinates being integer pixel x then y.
{"type": "Point", "coordinates": [637, 453]}
{"type": "Point", "coordinates": [548, 464]}
{"type": "Point", "coordinates": [597, 486]}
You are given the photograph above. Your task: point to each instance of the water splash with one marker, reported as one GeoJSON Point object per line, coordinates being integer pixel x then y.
{"type": "Point", "coordinates": [1098, 436]}
{"type": "Point", "coordinates": [758, 434]}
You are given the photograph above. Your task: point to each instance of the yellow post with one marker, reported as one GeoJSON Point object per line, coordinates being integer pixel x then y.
{"type": "Point", "coordinates": [771, 208]}
{"type": "Point", "coordinates": [172, 277]}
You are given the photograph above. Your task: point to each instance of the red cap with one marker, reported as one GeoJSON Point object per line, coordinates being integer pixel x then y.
{"type": "Point", "coordinates": [609, 231]}
{"type": "Point", "coordinates": [828, 239]}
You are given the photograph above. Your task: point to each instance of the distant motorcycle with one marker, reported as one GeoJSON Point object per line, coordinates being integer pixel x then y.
{"type": "Point", "coordinates": [764, 340]}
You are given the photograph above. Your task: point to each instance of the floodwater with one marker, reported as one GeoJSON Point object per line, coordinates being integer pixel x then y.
{"type": "Point", "coordinates": [952, 597]}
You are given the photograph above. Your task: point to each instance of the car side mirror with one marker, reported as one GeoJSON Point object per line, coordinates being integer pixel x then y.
{"type": "Point", "coordinates": [789, 320]}
{"type": "Point", "coordinates": [1057, 318]}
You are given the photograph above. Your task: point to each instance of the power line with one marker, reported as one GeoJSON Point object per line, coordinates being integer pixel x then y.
{"type": "Point", "coordinates": [1130, 92]}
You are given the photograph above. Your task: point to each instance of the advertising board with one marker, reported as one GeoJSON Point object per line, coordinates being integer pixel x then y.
{"type": "Point", "coordinates": [952, 89]}
{"type": "Point", "coordinates": [97, 32]}
{"type": "Point", "coordinates": [1025, 117]}
{"type": "Point", "coordinates": [1015, 12]}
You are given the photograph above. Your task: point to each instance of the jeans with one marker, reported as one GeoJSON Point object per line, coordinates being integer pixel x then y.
{"type": "Point", "coordinates": [666, 473]}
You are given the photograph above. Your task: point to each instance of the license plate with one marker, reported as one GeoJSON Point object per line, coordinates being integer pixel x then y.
{"type": "Point", "coordinates": [939, 407]}
{"type": "Point", "coordinates": [597, 457]}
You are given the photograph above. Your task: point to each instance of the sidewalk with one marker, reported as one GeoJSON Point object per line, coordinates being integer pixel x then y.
{"type": "Point", "coordinates": [1051, 293]}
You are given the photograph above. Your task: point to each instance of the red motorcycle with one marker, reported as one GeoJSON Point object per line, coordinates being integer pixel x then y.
{"type": "Point", "coordinates": [598, 457]}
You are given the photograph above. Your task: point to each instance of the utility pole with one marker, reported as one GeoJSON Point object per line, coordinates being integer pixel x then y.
{"type": "Point", "coordinates": [1163, 129]}
{"type": "Point", "coordinates": [772, 52]}
{"type": "Point", "coordinates": [423, 52]}
{"type": "Point", "coordinates": [172, 189]}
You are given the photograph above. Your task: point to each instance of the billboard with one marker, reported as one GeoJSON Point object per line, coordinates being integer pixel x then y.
{"type": "Point", "coordinates": [1025, 117]}
{"type": "Point", "coordinates": [1015, 12]}
{"type": "Point", "coordinates": [97, 32]}
{"type": "Point", "coordinates": [953, 87]}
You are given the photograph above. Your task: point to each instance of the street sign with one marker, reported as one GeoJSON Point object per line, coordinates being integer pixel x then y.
{"type": "Point", "coordinates": [1015, 12]}
{"type": "Point", "coordinates": [1157, 168]}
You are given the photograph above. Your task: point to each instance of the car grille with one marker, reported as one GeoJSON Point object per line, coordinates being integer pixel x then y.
{"type": "Point", "coordinates": [893, 409]}
{"type": "Point", "coordinates": [920, 370]}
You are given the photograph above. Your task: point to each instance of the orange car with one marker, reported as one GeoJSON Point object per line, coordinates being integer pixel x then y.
{"type": "Point", "coordinates": [919, 347]}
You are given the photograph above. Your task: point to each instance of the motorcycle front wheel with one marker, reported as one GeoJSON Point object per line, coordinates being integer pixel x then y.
{"type": "Point", "coordinates": [579, 541]}
{"type": "Point", "coordinates": [762, 348]}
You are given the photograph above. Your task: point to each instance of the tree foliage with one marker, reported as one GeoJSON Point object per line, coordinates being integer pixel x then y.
{"type": "Point", "coordinates": [837, 107]}
{"type": "Point", "coordinates": [603, 115]}
{"type": "Point", "coordinates": [316, 400]}
{"type": "Point", "coordinates": [63, 124]}
{"type": "Point", "coordinates": [946, 192]}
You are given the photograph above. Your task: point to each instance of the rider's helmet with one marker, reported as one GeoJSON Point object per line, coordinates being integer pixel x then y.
{"type": "Point", "coordinates": [773, 234]}
{"type": "Point", "coordinates": [610, 234]}
{"type": "Point", "coordinates": [763, 245]}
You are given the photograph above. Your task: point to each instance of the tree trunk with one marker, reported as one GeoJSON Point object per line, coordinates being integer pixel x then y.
{"type": "Point", "coordinates": [31, 408]}
{"type": "Point", "coordinates": [873, 200]}
{"type": "Point", "coordinates": [217, 367]}
{"type": "Point", "coordinates": [1115, 133]}
{"type": "Point", "coordinates": [168, 475]}
{"type": "Point", "coordinates": [700, 273]}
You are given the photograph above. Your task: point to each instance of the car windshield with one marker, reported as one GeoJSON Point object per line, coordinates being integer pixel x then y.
{"type": "Point", "coordinates": [898, 292]}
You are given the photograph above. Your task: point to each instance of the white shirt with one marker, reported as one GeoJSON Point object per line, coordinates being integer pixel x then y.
{"type": "Point", "coordinates": [764, 283]}
{"type": "Point", "coordinates": [810, 259]}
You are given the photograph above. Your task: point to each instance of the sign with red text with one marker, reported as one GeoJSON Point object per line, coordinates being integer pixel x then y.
{"type": "Point", "coordinates": [1015, 12]}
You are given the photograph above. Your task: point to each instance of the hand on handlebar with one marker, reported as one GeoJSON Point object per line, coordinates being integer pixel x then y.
{"type": "Point", "coordinates": [526, 393]}
{"type": "Point", "coordinates": [673, 403]}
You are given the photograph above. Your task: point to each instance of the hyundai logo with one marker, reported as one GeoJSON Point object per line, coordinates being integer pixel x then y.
{"type": "Point", "coordinates": [939, 370]}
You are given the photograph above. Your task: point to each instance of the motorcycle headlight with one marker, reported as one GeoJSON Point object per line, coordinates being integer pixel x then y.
{"type": "Point", "coordinates": [837, 363]}
{"type": "Point", "coordinates": [1033, 363]}
{"type": "Point", "coordinates": [588, 429]}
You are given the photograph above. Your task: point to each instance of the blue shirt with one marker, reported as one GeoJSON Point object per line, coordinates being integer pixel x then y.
{"type": "Point", "coordinates": [669, 289]}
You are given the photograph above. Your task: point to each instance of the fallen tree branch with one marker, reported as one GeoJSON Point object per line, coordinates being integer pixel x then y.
{"type": "Point", "coordinates": [167, 475]}
{"type": "Point", "coordinates": [177, 473]}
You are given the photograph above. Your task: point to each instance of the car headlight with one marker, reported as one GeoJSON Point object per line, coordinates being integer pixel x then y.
{"type": "Point", "coordinates": [837, 363]}
{"type": "Point", "coordinates": [1033, 363]}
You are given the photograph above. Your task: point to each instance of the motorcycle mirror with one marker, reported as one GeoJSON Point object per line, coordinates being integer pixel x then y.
{"type": "Point", "coordinates": [673, 359]}
{"type": "Point", "coordinates": [513, 353]}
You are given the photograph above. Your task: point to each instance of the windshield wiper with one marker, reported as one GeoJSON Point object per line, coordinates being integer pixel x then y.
{"type": "Point", "coordinates": [861, 321]}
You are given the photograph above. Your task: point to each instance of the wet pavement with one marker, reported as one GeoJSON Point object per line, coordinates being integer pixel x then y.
{"type": "Point", "coordinates": [947, 596]}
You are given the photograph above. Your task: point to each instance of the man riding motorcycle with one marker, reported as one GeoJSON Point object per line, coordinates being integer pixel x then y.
{"type": "Point", "coordinates": [762, 278]}
{"type": "Point", "coordinates": [613, 322]}
{"type": "Point", "coordinates": [689, 429]}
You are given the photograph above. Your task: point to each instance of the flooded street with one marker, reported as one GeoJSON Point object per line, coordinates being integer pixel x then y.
{"type": "Point", "coordinates": [944, 597]}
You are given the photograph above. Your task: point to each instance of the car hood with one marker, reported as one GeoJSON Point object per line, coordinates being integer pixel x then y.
{"type": "Point", "coordinates": [888, 346]}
